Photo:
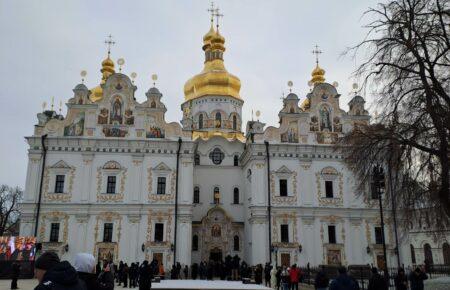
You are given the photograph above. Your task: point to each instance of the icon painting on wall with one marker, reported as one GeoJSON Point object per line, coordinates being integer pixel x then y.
{"type": "Point", "coordinates": [291, 135]}
{"type": "Point", "coordinates": [77, 126]}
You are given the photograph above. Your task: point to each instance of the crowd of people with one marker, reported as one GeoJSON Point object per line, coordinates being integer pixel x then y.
{"type": "Point", "coordinates": [86, 274]}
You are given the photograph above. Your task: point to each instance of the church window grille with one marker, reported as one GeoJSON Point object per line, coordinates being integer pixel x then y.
{"type": "Point", "coordinates": [161, 187]}
{"type": "Point", "coordinates": [284, 229]}
{"type": "Point", "coordinates": [236, 243]}
{"type": "Point", "coordinates": [216, 195]}
{"type": "Point", "coordinates": [218, 120]}
{"type": "Point", "coordinates": [413, 254]}
{"type": "Point", "coordinates": [54, 232]}
{"type": "Point", "coordinates": [194, 243]}
{"type": "Point", "coordinates": [283, 187]}
{"type": "Point", "coordinates": [378, 236]}
{"type": "Point", "coordinates": [216, 156]}
{"type": "Point", "coordinates": [236, 195]}
{"type": "Point", "coordinates": [159, 232]}
{"type": "Point", "coordinates": [107, 232]}
{"type": "Point", "coordinates": [428, 254]}
{"type": "Point", "coordinates": [197, 159]}
{"type": "Point", "coordinates": [111, 185]}
{"type": "Point", "coordinates": [332, 234]}
{"type": "Point", "coordinates": [196, 194]}
{"type": "Point", "coordinates": [200, 121]}
{"type": "Point", "coordinates": [59, 184]}
{"type": "Point", "coordinates": [329, 189]}
{"type": "Point", "coordinates": [234, 123]}
{"type": "Point", "coordinates": [236, 160]}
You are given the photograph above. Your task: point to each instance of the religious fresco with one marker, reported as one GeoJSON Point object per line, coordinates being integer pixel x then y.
{"type": "Point", "coordinates": [314, 124]}
{"type": "Point", "coordinates": [116, 112]}
{"type": "Point", "coordinates": [155, 132]}
{"type": "Point", "coordinates": [103, 116]}
{"type": "Point", "coordinates": [326, 137]}
{"type": "Point", "coordinates": [129, 118]}
{"type": "Point", "coordinates": [325, 119]}
{"type": "Point", "coordinates": [337, 125]}
{"type": "Point", "coordinates": [216, 231]}
{"type": "Point", "coordinates": [291, 135]}
{"type": "Point", "coordinates": [115, 131]}
{"type": "Point", "coordinates": [334, 257]}
{"type": "Point", "coordinates": [77, 126]}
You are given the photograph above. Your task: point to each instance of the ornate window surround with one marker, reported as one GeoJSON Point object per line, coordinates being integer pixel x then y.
{"type": "Point", "coordinates": [111, 168]}
{"type": "Point", "coordinates": [330, 174]}
{"type": "Point", "coordinates": [161, 170]}
{"type": "Point", "coordinates": [47, 219]}
{"type": "Point", "coordinates": [291, 176]}
{"type": "Point", "coordinates": [164, 217]}
{"type": "Point", "coordinates": [59, 168]}
{"type": "Point", "coordinates": [291, 220]}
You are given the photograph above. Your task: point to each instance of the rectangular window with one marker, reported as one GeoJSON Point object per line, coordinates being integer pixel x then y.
{"type": "Point", "coordinates": [329, 189]}
{"type": "Point", "coordinates": [159, 232]}
{"type": "Point", "coordinates": [332, 234]}
{"type": "Point", "coordinates": [236, 195]}
{"type": "Point", "coordinates": [59, 183]}
{"type": "Point", "coordinates": [111, 185]}
{"type": "Point", "coordinates": [107, 232]}
{"type": "Point", "coordinates": [161, 188]}
{"type": "Point", "coordinates": [54, 232]}
{"type": "Point", "coordinates": [378, 236]}
{"type": "Point", "coordinates": [284, 233]}
{"type": "Point", "coordinates": [283, 187]}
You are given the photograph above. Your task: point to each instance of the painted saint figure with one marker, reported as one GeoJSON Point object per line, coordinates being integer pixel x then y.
{"type": "Point", "coordinates": [116, 111]}
{"type": "Point", "coordinates": [325, 122]}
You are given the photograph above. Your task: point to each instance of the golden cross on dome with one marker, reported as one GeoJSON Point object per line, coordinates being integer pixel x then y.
{"type": "Point", "coordinates": [218, 15]}
{"type": "Point", "coordinates": [109, 42]}
{"type": "Point", "coordinates": [316, 51]}
{"type": "Point", "coordinates": [212, 10]}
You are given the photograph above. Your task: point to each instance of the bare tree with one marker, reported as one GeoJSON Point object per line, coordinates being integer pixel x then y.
{"type": "Point", "coordinates": [406, 52]}
{"type": "Point", "coordinates": [9, 208]}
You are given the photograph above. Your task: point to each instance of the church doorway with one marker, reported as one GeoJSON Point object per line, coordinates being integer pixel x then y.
{"type": "Point", "coordinates": [215, 255]}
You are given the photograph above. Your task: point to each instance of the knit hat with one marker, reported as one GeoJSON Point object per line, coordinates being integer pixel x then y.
{"type": "Point", "coordinates": [46, 261]}
{"type": "Point", "coordinates": [84, 262]}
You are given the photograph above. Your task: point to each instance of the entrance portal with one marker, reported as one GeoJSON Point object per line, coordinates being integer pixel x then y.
{"type": "Point", "coordinates": [215, 255]}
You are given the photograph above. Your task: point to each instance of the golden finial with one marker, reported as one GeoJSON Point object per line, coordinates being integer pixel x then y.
{"type": "Point", "coordinates": [44, 105]}
{"type": "Point", "coordinates": [120, 62]}
{"type": "Point", "coordinates": [335, 84]}
{"type": "Point", "coordinates": [133, 75]}
{"type": "Point", "coordinates": [316, 51]}
{"type": "Point", "coordinates": [290, 84]}
{"type": "Point", "coordinates": [258, 113]}
{"type": "Point", "coordinates": [53, 103]}
{"type": "Point", "coordinates": [109, 42]}
{"type": "Point", "coordinates": [217, 15]}
{"type": "Point", "coordinates": [83, 74]}
{"type": "Point", "coordinates": [154, 78]}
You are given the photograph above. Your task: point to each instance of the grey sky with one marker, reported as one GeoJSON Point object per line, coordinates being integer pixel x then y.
{"type": "Point", "coordinates": [45, 45]}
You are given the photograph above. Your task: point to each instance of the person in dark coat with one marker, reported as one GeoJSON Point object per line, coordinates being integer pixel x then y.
{"type": "Point", "coordinates": [343, 281]}
{"type": "Point", "coordinates": [278, 276]}
{"type": "Point", "coordinates": [416, 278]}
{"type": "Point", "coordinates": [321, 282]}
{"type": "Point", "coordinates": [84, 264]}
{"type": "Point", "coordinates": [186, 272]}
{"type": "Point", "coordinates": [267, 269]}
{"type": "Point", "coordinates": [401, 281]}
{"type": "Point", "coordinates": [376, 282]}
{"type": "Point", "coordinates": [258, 274]}
{"type": "Point", "coordinates": [145, 276]}
{"type": "Point", "coordinates": [125, 273]}
{"type": "Point", "coordinates": [15, 271]}
{"type": "Point", "coordinates": [56, 275]}
{"type": "Point", "coordinates": [194, 271]}
{"type": "Point", "coordinates": [106, 278]}
{"type": "Point", "coordinates": [133, 275]}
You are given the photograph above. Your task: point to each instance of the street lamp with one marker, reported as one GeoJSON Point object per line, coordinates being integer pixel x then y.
{"type": "Point", "coordinates": [378, 186]}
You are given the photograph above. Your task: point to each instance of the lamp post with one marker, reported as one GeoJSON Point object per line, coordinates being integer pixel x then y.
{"type": "Point", "coordinates": [379, 185]}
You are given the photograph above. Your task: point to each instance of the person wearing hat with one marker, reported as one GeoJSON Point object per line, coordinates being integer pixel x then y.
{"type": "Point", "coordinates": [84, 263]}
{"type": "Point", "coordinates": [53, 274]}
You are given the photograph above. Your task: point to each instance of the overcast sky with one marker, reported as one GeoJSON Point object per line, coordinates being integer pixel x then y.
{"type": "Point", "coordinates": [45, 45]}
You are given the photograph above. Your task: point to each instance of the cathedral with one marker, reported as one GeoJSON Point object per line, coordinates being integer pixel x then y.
{"type": "Point", "coordinates": [113, 178]}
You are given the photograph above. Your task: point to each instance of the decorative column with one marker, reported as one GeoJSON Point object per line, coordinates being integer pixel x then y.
{"type": "Point", "coordinates": [86, 185]}
{"type": "Point", "coordinates": [136, 178]}
{"type": "Point", "coordinates": [260, 248]}
{"type": "Point", "coordinates": [186, 180]}
{"type": "Point", "coordinates": [81, 233]}
{"type": "Point", "coordinates": [355, 245]}
{"type": "Point", "coordinates": [307, 238]}
{"type": "Point", "coordinates": [134, 244]}
{"type": "Point", "coordinates": [184, 243]}
{"type": "Point", "coordinates": [33, 177]}
{"type": "Point", "coordinates": [259, 182]}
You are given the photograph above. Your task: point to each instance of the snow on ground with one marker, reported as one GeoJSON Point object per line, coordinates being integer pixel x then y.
{"type": "Point", "coordinates": [205, 284]}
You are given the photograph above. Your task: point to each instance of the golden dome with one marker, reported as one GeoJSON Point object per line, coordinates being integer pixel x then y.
{"type": "Point", "coordinates": [214, 79]}
{"type": "Point", "coordinates": [107, 70]}
{"type": "Point", "coordinates": [318, 75]}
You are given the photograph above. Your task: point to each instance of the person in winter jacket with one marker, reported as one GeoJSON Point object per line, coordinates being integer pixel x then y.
{"type": "Point", "coordinates": [401, 281]}
{"type": "Point", "coordinates": [343, 281]}
{"type": "Point", "coordinates": [55, 275]}
{"type": "Point", "coordinates": [106, 278]}
{"type": "Point", "coordinates": [321, 282]}
{"type": "Point", "coordinates": [15, 272]}
{"type": "Point", "coordinates": [294, 275]}
{"type": "Point", "coordinates": [416, 278]}
{"type": "Point", "coordinates": [84, 264]}
{"type": "Point", "coordinates": [376, 282]}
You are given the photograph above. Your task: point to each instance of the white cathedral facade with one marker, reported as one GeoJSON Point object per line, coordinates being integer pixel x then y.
{"type": "Point", "coordinates": [118, 181]}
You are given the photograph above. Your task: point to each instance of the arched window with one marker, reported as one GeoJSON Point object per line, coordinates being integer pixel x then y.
{"type": "Point", "coordinates": [413, 254]}
{"type": "Point", "coordinates": [236, 195]}
{"type": "Point", "coordinates": [428, 254]}
{"type": "Point", "coordinates": [446, 253]}
{"type": "Point", "coordinates": [200, 121]}
{"type": "Point", "coordinates": [291, 110]}
{"type": "Point", "coordinates": [236, 160]}
{"type": "Point", "coordinates": [196, 195]}
{"type": "Point", "coordinates": [194, 243]}
{"type": "Point", "coordinates": [153, 104]}
{"type": "Point", "coordinates": [218, 120]}
{"type": "Point", "coordinates": [197, 159]}
{"type": "Point", "coordinates": [236, 243]}
{"type": "Point", "coordinates": [234, 123]}
{"type": "Point", "coordinates": [216, 195]}
{"type": "Point", "coordinates": [249, 175]}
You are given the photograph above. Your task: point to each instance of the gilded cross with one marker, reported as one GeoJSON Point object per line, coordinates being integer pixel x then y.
{"type": "Point", "coordinates": [218, 15]}
{"type": "Point", "coordinates": [212, 10]}
{"type": "Point", "coordinates": [316, 51]}
{"type": "Point", "coordinates": [109, 42]}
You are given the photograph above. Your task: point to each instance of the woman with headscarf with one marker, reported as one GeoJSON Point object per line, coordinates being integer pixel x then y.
{"type": "Point", "coordinates": [84, 263]}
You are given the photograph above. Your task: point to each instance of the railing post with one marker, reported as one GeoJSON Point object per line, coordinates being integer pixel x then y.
{"type": "Point", "coordinates": [361, 277]}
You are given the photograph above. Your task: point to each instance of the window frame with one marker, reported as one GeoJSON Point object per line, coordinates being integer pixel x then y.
{"type": "Point", "coordinates": [329, 186]}
{"type": "Point", "coordinates": [284, 233]}
{"type": "Point", "coordinates": [378, 233]}
{"type": "Point", "coordinates": [194, 243]}
{"type": "Point", "coordinates": [158, 237]}
{"type": "Point", "coordinates": [196, 195]}
{"type": "Point", "coordinates": [108, 230]}
{"type": "Point", "coordinates": [59, 184]}
{"type": "Point", "coordinates": [332, 239]}
{"type": "Point", "coordinates": [54, 232]}
{"type": "Point", "coordinates": [161, 184]}
{"type": "Point", "coordinates": [111, 189]}
{"type": "Point", "coordinates": [236, 197]}
{"type": "Point", "coordinates": [284, 182]}
{"type": "Point", "coordinates": [236, 243]}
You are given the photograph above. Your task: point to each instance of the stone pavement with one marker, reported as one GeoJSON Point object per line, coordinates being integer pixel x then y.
{"type": "Point", "coordinates": [26, 284]}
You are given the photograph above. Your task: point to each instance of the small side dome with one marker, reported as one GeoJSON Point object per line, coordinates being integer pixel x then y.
{"type": "Point", "coordinates": [357, 99]}
{"type": "Point", "coordinates": [318, 75]}
{"type": "Point", "coordinates": [153, 91]}
{"type": "Point", "coordinates": [291, 96]}
{"type": "Point", "coordinates": [80, 87]}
